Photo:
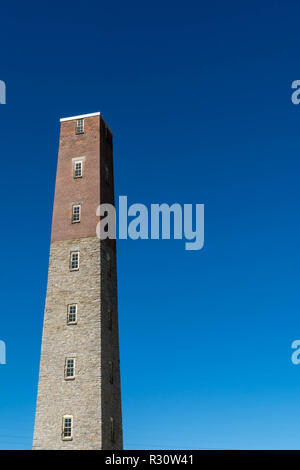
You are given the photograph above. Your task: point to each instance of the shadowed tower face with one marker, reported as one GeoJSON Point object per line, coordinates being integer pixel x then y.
{"type": "Point", "coordinates": [79, 396]}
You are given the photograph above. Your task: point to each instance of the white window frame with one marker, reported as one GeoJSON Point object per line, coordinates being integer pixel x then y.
{"type": "Point", "coordinates": [67, 438]}
{"type": "Point", "coordinates": [75, 162]}
{"type": "Point", "coordinates": [73, 207]}
{"type": "Point", "coordinates": [69, 377]}
{"type": "Point", "coordinates": [69, 313]}
{"type": "Point", "coordinates": [71, 260]}
{"type": "Point", "coordinates": [80, 128]}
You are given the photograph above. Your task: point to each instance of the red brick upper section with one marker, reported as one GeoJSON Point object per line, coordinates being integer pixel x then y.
{"type": "Point", "coordinates": [96, 139]}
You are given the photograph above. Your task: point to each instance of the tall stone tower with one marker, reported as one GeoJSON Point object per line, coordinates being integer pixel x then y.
{"type": "Point", "coordinates": [79, 396]}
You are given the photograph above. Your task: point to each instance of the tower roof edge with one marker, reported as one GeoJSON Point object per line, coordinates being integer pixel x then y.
{"type": "Point", "coordinates": [81, 116]}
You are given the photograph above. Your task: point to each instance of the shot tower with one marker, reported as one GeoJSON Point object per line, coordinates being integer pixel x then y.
{"type": "Point", "coordinates": [79, 393]}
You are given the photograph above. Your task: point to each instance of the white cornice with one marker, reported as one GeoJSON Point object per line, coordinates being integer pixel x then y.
{"type": "Point", "coordinates": [81, 116]}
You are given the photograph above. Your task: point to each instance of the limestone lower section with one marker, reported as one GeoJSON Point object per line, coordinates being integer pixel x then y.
{"type": "Point", "coordinates": [93, 397]}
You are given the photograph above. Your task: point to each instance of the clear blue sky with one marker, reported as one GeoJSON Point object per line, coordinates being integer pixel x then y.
{"type": "Point", "coordinates": [198, 97]}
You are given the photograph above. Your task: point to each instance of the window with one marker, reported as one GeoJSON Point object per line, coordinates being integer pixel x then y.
{"type": "Point", "coordinates": [111, 372]}
{"type": "Point", "coordinates": [70, 368]}
{"type": "Point", "coordinates": [78, 169]}
{"type": "Point", "coordinates": [67, 431]}
{"type": "Point", "coordinates": [109, 319]}
{"type": "Point", "coordinates": [76, 212]}
{"type": "Point", "coordinates": [106, 175]}
{"type": "Point", "coordinates": [72, 314]}
{"type": "Point", "coordinates": [112, 430]}
{"type": "Point", "coordinates": [108, 134]}
{"type": "Point", "coordinates": [80, 126]}
{"type": "Point", "coordinates": [74, 261]}
{"type": "Point", "coordinates": [109, 138]}
{"type": "Point", "coordinates": [108, 265]}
